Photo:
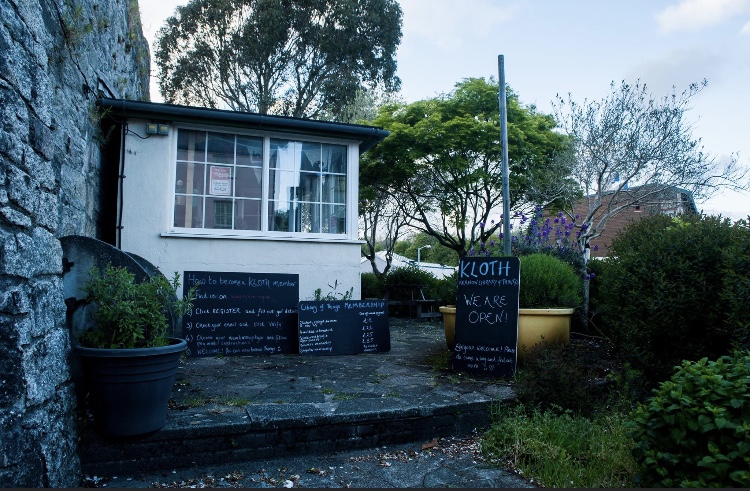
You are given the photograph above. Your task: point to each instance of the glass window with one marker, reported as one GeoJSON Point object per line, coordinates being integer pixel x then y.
{"type": "Point", "coordinates": [219, 184]}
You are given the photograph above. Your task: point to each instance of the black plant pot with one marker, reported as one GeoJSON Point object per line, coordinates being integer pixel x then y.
{"type": "Point", "coordinates": [130, 388]}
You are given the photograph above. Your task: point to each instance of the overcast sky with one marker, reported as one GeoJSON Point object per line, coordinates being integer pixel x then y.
{"type": "Point", "coordinates": [579, 47]}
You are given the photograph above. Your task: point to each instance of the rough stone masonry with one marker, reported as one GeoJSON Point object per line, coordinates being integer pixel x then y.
{"type": "Point", "coordinates": [55, 58]}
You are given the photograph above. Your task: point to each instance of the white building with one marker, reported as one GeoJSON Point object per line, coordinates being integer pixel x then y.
{"type": "Point", "coordinates": [199, 189]}
{"type": "Point", "coordinates": [439, 270]}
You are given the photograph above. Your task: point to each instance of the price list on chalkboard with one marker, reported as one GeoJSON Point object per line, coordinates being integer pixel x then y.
{"type": "Point", "coordinates": [343, 327]}
{"type": "Point", "coordinates": [487, 315]}
{"type": "Point", "coordinates": [237, 314]}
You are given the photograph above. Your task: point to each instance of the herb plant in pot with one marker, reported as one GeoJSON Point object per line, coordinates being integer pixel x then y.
{"type": "Point", "coordinates": [549, 293]}
{"type": "Point", "coordinates": [128, 361]}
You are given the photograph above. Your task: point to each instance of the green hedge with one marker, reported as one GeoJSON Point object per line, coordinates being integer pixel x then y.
{"type": "Point", "coordinates": [676, 289]}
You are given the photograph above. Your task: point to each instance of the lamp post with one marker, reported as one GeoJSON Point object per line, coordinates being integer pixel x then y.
{"type": "Point", "coordinates": [419, 250]}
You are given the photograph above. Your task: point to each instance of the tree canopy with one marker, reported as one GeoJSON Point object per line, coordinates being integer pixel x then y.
{"type": "Point", "coordinates": [442, 161]}
{"type": "Point", "coordinates": [286, 57]}
{"type": "Point", "coordinates": [630, 147]}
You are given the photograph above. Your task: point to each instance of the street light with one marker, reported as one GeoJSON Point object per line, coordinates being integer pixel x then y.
{"type": "Point", "coordinates": [419, 250]}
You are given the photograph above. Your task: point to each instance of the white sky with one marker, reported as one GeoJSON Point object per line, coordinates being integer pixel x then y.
{"type": "Point", "coordinates": [579, 47]}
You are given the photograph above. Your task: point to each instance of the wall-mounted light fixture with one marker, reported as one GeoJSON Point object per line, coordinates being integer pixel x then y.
{"type": "Point", "coordinates": [157, 128]}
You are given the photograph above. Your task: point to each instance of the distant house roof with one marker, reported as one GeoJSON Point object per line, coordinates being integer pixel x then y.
{"type": "Point", "coordinates": [367, 135]}
{"type": "Point", "coordinates": [439, 270]}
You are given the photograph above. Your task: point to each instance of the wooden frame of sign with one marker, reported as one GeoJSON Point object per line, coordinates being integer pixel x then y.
{"type": "Point", "coordinates": [238, 314]}
{"type": "Point", "coordinates": [487, 316]}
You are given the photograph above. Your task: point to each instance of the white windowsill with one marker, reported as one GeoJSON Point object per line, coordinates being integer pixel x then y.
{"type": "Point", "coordinates": [333, 239]}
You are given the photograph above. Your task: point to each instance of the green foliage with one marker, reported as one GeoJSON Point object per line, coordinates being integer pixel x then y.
{"type": "Point", "coordinates": [301, 59]}
{"type": "Point", "coordinates": [695, 430]}
{"type": "Point", "coordinates": [445, 290]}
{"type": "Point", "coordinates": [548, 282]}
{"type": "Point", "coordinates": [562, 450]}
{"type": "Point", "coordinates": [372, 286]}
{"type": "Point", "coordinates": [675, 291]}
{"type": "Point", "coordinates": [129, 314]}
{"type": "Point", "coordinates": [553, 376]}
{"type": "Point", "coordinates": [333, 294]}
{"type": "Point", "coordinates": [443, 159]}
{"type": "Point", "coordinates": [436, 253]}
{"type": "Point", "coordinates": [400, 281]}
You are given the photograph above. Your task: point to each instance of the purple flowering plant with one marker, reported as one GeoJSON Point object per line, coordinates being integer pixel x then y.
{"type": "Point", "coordinates": [556, 236]}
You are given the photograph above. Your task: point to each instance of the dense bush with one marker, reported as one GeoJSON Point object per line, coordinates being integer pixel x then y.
{"type": "Point", "coordinates": [676, 290]}
{"type": "Point", "coordinates": [445, 290]}
{"type": "Point", "coordinates": [400, 281]}
{"type": "Point", "coordinates": [372, 286]}
{"type": "Point", "coordinates": [556, 376]}
{"type": "Point", "coordinates": [695, 430]}
{"type": "Point", "coordinates": [548, 282]}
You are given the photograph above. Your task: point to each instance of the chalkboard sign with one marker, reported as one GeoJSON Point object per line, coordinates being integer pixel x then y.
{"type": "Point", "coordinates": [487, 315]}
{"type": "Point", "coordinates": [343, 327]}
{"type": "Point", "coordinates": [242, 314]}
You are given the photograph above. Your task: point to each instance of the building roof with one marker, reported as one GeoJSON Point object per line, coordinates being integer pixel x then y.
{"type": "Point", "coordinates": [368, 136]}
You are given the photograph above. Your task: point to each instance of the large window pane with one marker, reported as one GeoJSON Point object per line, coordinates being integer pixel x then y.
{"type": "Point", "coordinates": [189, 178]}
{"type": "Point", "coordinates": [280, 217]}
{"type": "Point", "coordinates": [249, 182]}
{"type": "Point", "coordinates": [247, 214]}
{"type": "Point", "coordinates": [334, 189]}
{"type": "Point", "coordinates": [219, 183]}
{"type": "Point", "coordinates": [335, 157]}
{"type": "Point", "coordinates": [191, 145]}
{"type": "Point", "coordinates": [334, 219]}
{"type": "Point", "coordinates": [220, 148]}
{"type": "Point", "coordinates": [188, 211]}
{"type": "Point", "coordinates": [218, 213]}
{"type": "Point", "coordinates": [249, 151]}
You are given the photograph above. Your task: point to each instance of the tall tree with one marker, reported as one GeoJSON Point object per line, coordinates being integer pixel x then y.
{"type": "Point", "coordinates": [286, 57]}
{"type": "Point", "coordinates": [442, 160]}
{"type": "Point", "coordinates": [630, 148]}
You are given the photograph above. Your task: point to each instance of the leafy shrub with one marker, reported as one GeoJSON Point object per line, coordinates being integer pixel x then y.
{"type": "Point", "coordinates": [372, 286]}
{"type": "Point", "coordinates": [556, 376]}
{"type": "Point", "coordinates": [445, 290]}
{"type": "Point", "coordinates": [548, 282]}
{"type": "Point", "coordinates": [128, 314]}
{"type": "Point", "coordinates": [665, 297]}
{"type": "Point", "coordinates": [695, 430]}
{"type": "Point", "coordinates": [401, 281]}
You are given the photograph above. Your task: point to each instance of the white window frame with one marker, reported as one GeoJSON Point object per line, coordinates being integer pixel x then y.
{"type": "Point", "coordinates": [351, 201]}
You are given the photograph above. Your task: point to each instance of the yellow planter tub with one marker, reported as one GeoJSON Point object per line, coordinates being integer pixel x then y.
{"type": "Point", "coordinates": [449, 324]}
{"type": "Point", "coordinates": [534, 324]}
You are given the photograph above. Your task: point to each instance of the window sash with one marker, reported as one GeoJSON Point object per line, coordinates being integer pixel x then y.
{"type": "Point", "coordinates": [219, 184]}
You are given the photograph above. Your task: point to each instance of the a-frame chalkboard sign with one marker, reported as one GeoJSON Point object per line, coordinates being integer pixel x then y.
{"type": "Point", "coordinates": [487, 316]}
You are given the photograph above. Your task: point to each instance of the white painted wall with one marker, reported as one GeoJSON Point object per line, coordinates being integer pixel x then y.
{"type": "Point", "coordinates": [147, 214]}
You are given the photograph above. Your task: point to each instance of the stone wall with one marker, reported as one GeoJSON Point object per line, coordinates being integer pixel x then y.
{"type": "Point", "coordinates": [55, 58]}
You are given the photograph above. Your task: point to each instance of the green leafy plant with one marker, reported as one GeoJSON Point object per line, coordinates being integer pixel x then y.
{"type": "Point", "coordinates": [372, 286]}
{"type": "Point", "coordinates": [695, 430]}
{"type": "Point", "coordinates": [333, 294]}
{"type": "Point", "coordinates": [676, 289]}
{"type": "Point", "coordinates": [548, 282]}
{"type": "Point", "coordinates": [402, 281]}
{"type": "Point", "coordinates": [128, 314]}
{"type": "Point", "coordinates": [556, 376]}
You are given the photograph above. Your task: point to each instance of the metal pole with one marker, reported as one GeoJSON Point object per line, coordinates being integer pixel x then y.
{"type": "Point", "coordinates": [504, 144]}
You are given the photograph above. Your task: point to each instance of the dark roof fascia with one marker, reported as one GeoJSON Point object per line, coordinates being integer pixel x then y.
{"type": "Point", "coordinates": [368, 136]}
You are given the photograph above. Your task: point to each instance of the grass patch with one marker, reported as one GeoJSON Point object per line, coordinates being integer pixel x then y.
{"type": "Point", "coordinates": [441, 362]}
{"type": "Point", "coordinates": [197, 401]}
{"type": "Point", "coordinates": [233, 401]}
{"type": "Point", "coordinates": [561, 450]}
{"type": "Point", "coordinates": [328, 390]}
{"type": "Point", "coordinates": [345, 397]}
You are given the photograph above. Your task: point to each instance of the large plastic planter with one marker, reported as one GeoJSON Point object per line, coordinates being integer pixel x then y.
{"type": "Point", "coordinates": [129, 389]}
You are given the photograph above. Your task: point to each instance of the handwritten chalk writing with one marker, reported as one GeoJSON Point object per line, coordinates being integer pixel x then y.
{"type": "Point", "coordinates": [485, 268]}
{"type": "Point", "coordinates": [343, 327]}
